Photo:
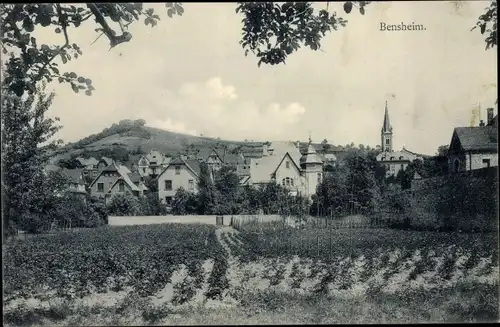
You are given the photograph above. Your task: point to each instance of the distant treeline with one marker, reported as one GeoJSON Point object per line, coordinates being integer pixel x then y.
{"type": "Point", "coordinates": [125, 127]}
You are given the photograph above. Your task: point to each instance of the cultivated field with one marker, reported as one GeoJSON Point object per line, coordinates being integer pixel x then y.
{"type": "Point", "coordinates": [198, 274]}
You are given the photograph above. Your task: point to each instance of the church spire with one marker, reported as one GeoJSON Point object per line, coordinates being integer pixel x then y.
{"type": "Point", "coordinates": [386, 127]}
{"type": "Point", "coordinates": [386, 133]}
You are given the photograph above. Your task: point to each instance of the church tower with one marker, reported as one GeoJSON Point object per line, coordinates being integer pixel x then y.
{"type": "Point", "coordinates": [313, 166]}
{"type": "Point", "coordinates": [386, 133]}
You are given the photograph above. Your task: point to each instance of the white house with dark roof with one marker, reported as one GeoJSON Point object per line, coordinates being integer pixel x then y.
{"type": "Point", "coordinates": [285, 165]}
{"type": "Point", "coordinates": [474, 147]}
{"type": "Point", "coordinates": [152, 164]}
{"type": "Point", "coordinates": [117, 179]}
{"type": "Point", "coordinates": [179, 173]}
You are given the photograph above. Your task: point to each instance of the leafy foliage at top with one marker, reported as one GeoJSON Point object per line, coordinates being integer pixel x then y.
{"type": "Point", "coordinates": [487, 23]}
{"type": "Point", "coordinates": [274, 31]}
{"type": "Point", "coordinates": [270, 30]}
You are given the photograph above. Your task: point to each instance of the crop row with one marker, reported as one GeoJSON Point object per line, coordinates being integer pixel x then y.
{"type": "Point", "coordinates": [139, 257]}
{"type": "Point", "coordinates": [270, 242]}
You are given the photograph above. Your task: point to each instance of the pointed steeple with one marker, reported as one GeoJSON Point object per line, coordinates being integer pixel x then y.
{"type": "Point", "coordinates": [386, 127]}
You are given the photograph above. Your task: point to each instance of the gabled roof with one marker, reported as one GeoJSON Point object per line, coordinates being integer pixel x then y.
{"type": "Point", "coordinates": [261, 170]}
{"type": "Point", "coordinates": [280, 148]}
{"type": "Point", "coordinates": [204, 154]}
{"type": "Point", "coordinates": [234, 159]}
{"type": "Point", "coordinates": [191, 164]}
{"type": "Point", "coordinates": [135, 177]}
{"type": "Point", "coordinates": [106, 160]}
{"type": "Point", "coordinates": [74, 175]}
{"type": "Point", "coordinates": [287, 155]}
{"type": "Point", "coordinates": [482, 138]}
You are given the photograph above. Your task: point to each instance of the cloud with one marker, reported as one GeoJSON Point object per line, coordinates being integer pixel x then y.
{"type": "Point", "coordinates": [213, 108]}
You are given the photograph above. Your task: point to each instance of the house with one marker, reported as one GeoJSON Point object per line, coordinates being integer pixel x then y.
{"type": "Point", "coordinates": [116, 179]}
{"type": "Point", "coordinates": [212, 157]}
{"type": "Point", "coordinates": [76, 184]}
{"type": "Point", "coordinates": [89, 166]}
{"type": "Point", "coordinates": [179, 173]}
{"type": "Point", "coordinates": [103, 163]}
{"type": "Point", "coordinates": [152, 164]}
{"type": "Point", "coordinates": [283, 163]}
{"type": "Point", "coordinates": [474, 148]}
{"type": "Point", "coordinates": [394, 161]}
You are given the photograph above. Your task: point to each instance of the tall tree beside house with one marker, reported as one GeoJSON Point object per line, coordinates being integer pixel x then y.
{"type": "Point", "coordinates": [332, 194]}
{"type": "Point", "coordinates": [248, 200]}
{"type": "Point", "coordinates": [270, 31]}
{"type": "Point", "coordinates": [206, 192]}
{"type": "Point", "coordinates": [361, 186]}
{"type": "Point", "coordinates": [27, 138]}
{"type": "Point", "coordinates": [226, 185]}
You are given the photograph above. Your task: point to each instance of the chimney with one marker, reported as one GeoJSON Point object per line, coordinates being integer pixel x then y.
{"type": "Point", "coordinates": [264, 149]}
{"type": "Point", "coordinates": [489, 112]}
{"type": "Point", "coordinates": [298, 145]}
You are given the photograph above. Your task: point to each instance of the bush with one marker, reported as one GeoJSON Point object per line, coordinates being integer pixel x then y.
{"type": "Point", "coordinates": [124, 205]}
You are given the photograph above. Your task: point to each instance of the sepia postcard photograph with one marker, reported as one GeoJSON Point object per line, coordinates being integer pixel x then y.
{"type": "Point", "coordinates": [249, 163]}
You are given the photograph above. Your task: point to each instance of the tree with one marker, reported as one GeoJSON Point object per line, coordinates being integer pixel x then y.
{"type": "Point", "coordinates": [206, 192]}
{"type": "Point", "coordinates": [226, 184]}
{"type": "Point", "coordinates": [487, 23]}
{"type": "Point", "coordinates": [271, 31]}
{"type": "Point", "coordinates": [123, 205]}
{"type": "Point", "coordinates": [442, 150]}
{"type": "Point", "coordinates": [151, 205]}
{"type": "Point", "coordinates": [325, 145]}
{"type": "Point", "coordinates": [26, 143]}
{"type": "Point", "coordinates": [184, 202]}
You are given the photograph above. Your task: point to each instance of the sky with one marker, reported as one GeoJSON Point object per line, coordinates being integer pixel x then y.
{"type": "Point", "coordinates": [189, 74]}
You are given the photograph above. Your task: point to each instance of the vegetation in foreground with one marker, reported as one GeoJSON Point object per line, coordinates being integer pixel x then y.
{"type": "Point", "coordinates": [276, 239]}
{"type": "Point", "coordinates": [140, 258]}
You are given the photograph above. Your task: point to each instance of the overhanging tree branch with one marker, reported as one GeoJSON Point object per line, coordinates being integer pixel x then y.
{"type": "Point", "coordinates": [108, 31]}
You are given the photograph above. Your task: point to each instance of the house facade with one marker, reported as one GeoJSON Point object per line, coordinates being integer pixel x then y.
{"type": "Point", "coordinates": [474, 148]}
{"type": "Point", "coordinates": [152, 164]}
{"type": "Point", "coordinates": [116, 179]}
{"type": "Point", "coordinates": [89, 165]}
{"type": "Point", "coordinates": [180, 173]}
{"type": "Point", "coordinates": [285, 165]}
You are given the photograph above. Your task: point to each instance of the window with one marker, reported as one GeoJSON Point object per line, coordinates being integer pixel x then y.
{"type": "Point", "coordinates": [319, 177]}
{"type": "Point", "coordinates": [190, 185]}
{"type": "Point", "coordinates": [486, 163]}
{"type": "Point", "coordinates": [392, 158]}
{"type": "Point", "coordinates": [288, 165]}
{"type": "Point", "coordinates": [383, 159]}
{"type": "Point", "coordinates": [122, 187]}
{"type": "Point", "coordinates": [402, 167]}
{"type": "Point", "coordinates": [144, 170]}
{"type": "Point", "coordinates": [392, 167]}
{"type": "Point", "coordinates": [386, 149]}
{"type": "Point", "coordinates": [100, 187]}
{"type": "Point", "coordinates": [168, 185]}
{"type": "Point", "coordinates": [387, 141]}
{"type": "Point", "coordinates": [168, 200]}
{"type": "Point", "coordinates": [291, 181]}
{"type": "Point", "coordinates": [177, 170]}
{"type": "Point", "coordinates": [287, 181]}
{"type": "Point", "coordinates": [456, 165]}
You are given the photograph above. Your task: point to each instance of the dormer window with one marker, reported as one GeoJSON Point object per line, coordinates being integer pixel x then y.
{"type": "Point", "coordinates": [401, 158]}
{"type": "Point", "coordinates": [392, 158]}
